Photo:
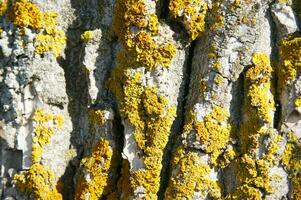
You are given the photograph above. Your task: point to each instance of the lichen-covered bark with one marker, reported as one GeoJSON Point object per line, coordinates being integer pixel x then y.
{"type": "Point", "coordinates": [150, 99]}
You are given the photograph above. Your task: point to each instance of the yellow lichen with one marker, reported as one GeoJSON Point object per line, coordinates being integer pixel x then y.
{"type": "Point", "coordinates": [195, 12]}
{"type": "Point", "coordinates": [151, 117]}
{"type": "Point", "coordinates": [97, 165]}
{"type": "Point", "coordinates": [97, 117]}
{"type": "Point", "coordinates": [148, 113]}
{"type": "Point", "coordinates": [259, 102]}
{"type": "Point", "coordinates": [297, 102]}
{"type": "Point", "coordinates": [38, 181]}
{"type": "Point", "coordinates": [44, 127]}
{"type": "Point", "coordinates": [3, 7]}
{"type": "Point", "coordinates": [87, 36]}
{"type": "Point", "coordinates": [290, 64]}
{"type": "Point", "coordinates": [291, 159]}
{"type": "Point", "coordinates": [219, 79]}
{"type": "Point", "coordinates": [236, 4]}
{"type": "Point", "coordinates": [191, 176]}
{"type": "Point", "coordinates": [252, 173]}
{"type": "Point", "coordinates": [140, 47]}
{"type": "Point", "coordinates": [214, 131]}
{"type": "Point", "coordinates": [26, 14]}
{"type": "Point", "coordinates": [50, 37]}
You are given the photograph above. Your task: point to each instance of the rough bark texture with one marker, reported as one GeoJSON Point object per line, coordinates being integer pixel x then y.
{"type": "Point", "coordinates": [150, 99]}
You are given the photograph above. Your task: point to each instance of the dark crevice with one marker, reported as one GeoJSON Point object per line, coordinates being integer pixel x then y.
{"type": "Point", "coordinates": [164, 11]}
{"type": "Point", "coordinates": [76, 88]}
{"type": "Point", "coordinates": [274, 57]}
{"type": "Point", "coordinates": [178, 125]}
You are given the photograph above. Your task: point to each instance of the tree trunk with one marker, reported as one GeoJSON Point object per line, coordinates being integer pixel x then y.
{"type": "Point", "coordinates": [145, 99]}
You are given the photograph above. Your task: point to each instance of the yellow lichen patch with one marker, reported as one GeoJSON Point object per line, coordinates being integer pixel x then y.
{"type": "Point", "coordinates": [51, 38]}
{"type": "Point", "coordinates": [219, 79]}
{"type": "Point", "coordinates": [227, 157]}
{"type": "Point", "coordinates": [192, 13]}
{"type": "Point", "coordinates": [26, 14]}
{"type": "Point", "coordinates": [140, 46]}
{"type": "Point", "coordinates": [291, 159]}
{"type": "Point", "coordinates": [153, 24]}
{"type": "Point", "coordinates": [296, 187]}
{"type": "Point", "coordinates": [252, 173]}
{"type": "Point", "coordinates": [97, 117]}
{"type": "Point", "coordinates": [151, 118]}
{"type": "Point", "coordinates": [214, 131]}
{"type": "Point", "coordinates": [252, 176]}
{"type": "Point", "coordinates": [38, 181]}
{"type": "Point", "coordinates": [87, 36]}
{"type": "Point", "coordinates": [3, 7]}
{"type": "Point", "coordinates": [97, 166]}
{"type": "Point", "coordinates": [236, 4]}
{"type": "Point", "coordinates": [290, 64]}
{"type": "Point", "coordinates": [297, 102]}
{"type": "Point", "coordinates": [191, 176]}
{"type": "Point", "coordinates": [148, 113]}
{"type": "Point", "coordinates": [259, 103]}
{"type": "Point", "coordinates": [44, 127]}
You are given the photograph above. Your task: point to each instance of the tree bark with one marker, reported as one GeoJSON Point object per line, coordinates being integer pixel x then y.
{"type": "Point", "coordinates": [145, 99]}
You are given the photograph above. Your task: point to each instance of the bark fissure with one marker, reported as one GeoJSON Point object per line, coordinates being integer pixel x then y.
{"type": "Point", "coordinates": [178, 125]}
{"type": "Point", "coordinates": [274, 60]}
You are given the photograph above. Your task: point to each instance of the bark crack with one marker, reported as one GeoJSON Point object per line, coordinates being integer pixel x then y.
{"type": "Point", "coordinates": [274, 60]}
{"type": "Point", "coordinates": [178, 124]}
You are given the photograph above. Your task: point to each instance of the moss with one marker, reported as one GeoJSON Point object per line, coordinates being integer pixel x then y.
{"type": "Point", "coordinates": [87, 36]}
{"type": "Point", "coordinates": [97, 166]}
{"type": "Point", "coordinates": [191, 176]}
{"type": "Point", "coordinates": [38, 181]}
{"type": "Point", "coordinates": [290, 61]}
{"type": "Point", "coordinates": [194, 11]}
